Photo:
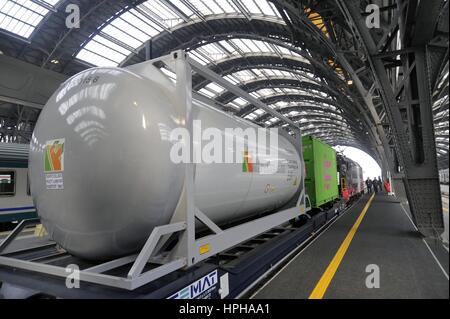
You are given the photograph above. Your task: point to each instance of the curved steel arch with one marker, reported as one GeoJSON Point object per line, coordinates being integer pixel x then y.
{"type": "Point", "coordinates": [296, 98]}
{"type": "Point", "coordinates": [290, 97]}
{"type": "Point", "coordinates": [286, 97]}
{"type": "Point", "coordinates": [345, 120]}
{"type": "Point", "coordinates": [228, 67]}
{"type": "Point", "coordinates": [309, 108]}
{"type": "Point", "coordinates": [324, 127]}
{"type": "Point", "coordinates": [300, 92]}
{"type": "Point", "coordinates": [315, 118]}
{"type": "Point", "coordinates": [324, 123]}
{"type": "Point", "coordinates": [314, 121]}
{"type": "Point", "coordinates": [231, 65]}
{"type": "Point", "coordinates": [53, 40]}
{"type": "Point", "coordinates": [336, 140]}
{"type": "Point", "coordinates": [333, 135]}
{"type": "Point", "coordinates": [199, 82]}
{"type": "Point", "coordinates": [287, 83]}
{"type": "Point", "coordinates": [346, 106]}
{"type": "Point", "coordinates": [316, 108]}
{"type": "Point", "coordinates": [220, 27]}
{"type": "Point", "coordinates": [253, 86]}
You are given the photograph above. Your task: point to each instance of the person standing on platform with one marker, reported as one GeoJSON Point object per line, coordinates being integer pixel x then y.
{"type": "Point", "coordinates": [380, 184]}
{"type": "Point", "coordinates": [369, 185]}
{"type": "Point", "coordinates": [375, 185]}
{"type": "Point", "coordinates": [387, 186]}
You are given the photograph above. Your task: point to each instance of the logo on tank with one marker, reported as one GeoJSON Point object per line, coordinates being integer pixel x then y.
{"type": "Point", "coordinates": [54, 164]}
{"type": "Point", "coordinates": [54, 156]}
{"type": "Point", "coordinates": [247, 165]}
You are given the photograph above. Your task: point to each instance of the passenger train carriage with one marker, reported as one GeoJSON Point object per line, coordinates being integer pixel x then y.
{"type": "Point", "coordinates": [15, 198]}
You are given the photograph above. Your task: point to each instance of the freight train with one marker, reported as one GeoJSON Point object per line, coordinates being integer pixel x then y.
{"type": "Point", "coordinates": [330, 177]}
{"type": "Point", "coordinates": [108, 190]}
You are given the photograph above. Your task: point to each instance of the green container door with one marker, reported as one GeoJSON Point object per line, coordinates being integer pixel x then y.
{"type": "Point", "coordinates": [321, 171]}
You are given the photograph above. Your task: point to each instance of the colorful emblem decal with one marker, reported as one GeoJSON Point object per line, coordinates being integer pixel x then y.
{"type": "Point", "coordinates": [247, 165]}
{"type": "Point", "coordinates": [54, 156]}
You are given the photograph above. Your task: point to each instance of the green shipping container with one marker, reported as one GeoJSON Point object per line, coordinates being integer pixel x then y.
{"type": "Point", "coordinates": [321, 171]}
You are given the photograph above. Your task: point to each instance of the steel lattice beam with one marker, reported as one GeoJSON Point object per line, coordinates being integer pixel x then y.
{"type": "Point", "coordinates": [419, 163]}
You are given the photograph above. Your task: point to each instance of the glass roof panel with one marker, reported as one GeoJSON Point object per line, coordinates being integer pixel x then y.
{"type": "Point", "coordinates": [124, 36]}
{"type": "Point", "coordinates": [226, 6]}
{"type": "Point", "coordinates": [267, 92]}
{"type": "Point", "coordinates": [134, 27]}
{"type": "Point", "coordinates": [199, 58]}
{"type": "Point", "coordinates": [113, 55]}
{"type": "Point", "coordinates": [111, 45]}
{"type": "Point", "coordinates": [141, 17]}
{"type": "Point", "coordinates": [182, 7]}
{"type": "Point", "coordinates": [215, 88]}
{"type": "Point", "coordinates": [240, 101]}
{"type": "Point", "coordinates": [161, 13]}
{"type": "Point", "coordinates": [265, 7]}
{"type": "Point", "coordinates": [232, 79]}
{"type": "Point", "coordinates": [200, 6]}
{"type": "Point", "coordinates": [239, 47]}
{"type": "Point", "coordinates": [53, 3]}
{"type": "Point", "coordinates": [96, 59]}
{"type": "Point", "coordinates": [22, 17]}
{"type": "Point", "coordinates": [207, 93]}
{"type": "Point", "coordinates": [215, 7]}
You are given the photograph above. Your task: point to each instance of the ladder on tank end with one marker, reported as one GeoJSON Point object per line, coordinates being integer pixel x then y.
{"type": "Point", "coordinates": [188, 250]}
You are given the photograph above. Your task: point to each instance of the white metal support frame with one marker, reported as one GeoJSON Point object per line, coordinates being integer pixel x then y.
{"type": "Point", "coordinates": [189, 250]}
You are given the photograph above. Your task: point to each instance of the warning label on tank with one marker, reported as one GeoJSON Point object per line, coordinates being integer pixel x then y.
{"type": "Point", "coordinates": [54, 156]}
{"type": "Point", "coordinates": [54, 181]}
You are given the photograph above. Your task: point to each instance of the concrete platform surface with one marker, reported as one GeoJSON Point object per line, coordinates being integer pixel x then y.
{"type": "Point", "coordinates": [409, 266]}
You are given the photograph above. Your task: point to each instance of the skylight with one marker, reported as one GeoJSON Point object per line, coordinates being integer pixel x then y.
{"type": "Point", "coordinates": [131, 29]}
{"type": "Point", "coordinates": [21, 17]}
{"type": "Point", "coordinates": [267, 92]}
{"type": "Point", "coordinates": [234, 48]}
{"type": "Point", "coordinates": [127, 33]}
{"type": "Point", "coordinates": [248, 76]}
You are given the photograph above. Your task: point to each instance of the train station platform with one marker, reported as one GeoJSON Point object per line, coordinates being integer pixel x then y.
{"type": "Point", "coordinates": [375, 234]}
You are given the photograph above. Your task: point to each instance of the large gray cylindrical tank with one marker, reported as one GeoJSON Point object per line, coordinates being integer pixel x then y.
{"type": "Point", "coordinates": [101, 173]}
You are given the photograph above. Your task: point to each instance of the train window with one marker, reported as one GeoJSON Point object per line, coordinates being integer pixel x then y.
{"type": "Point", "coordinates": [7, 183]}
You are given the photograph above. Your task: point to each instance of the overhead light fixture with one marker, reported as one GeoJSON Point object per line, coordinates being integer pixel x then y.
{"type": "Point", "coordinates": [349, 82]}
{"type": "Point", "coordinates": [54, 61]}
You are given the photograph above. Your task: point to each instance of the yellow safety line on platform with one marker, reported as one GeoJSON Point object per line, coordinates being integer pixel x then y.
{"type": "Point", "coordinates": [325, 280]}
